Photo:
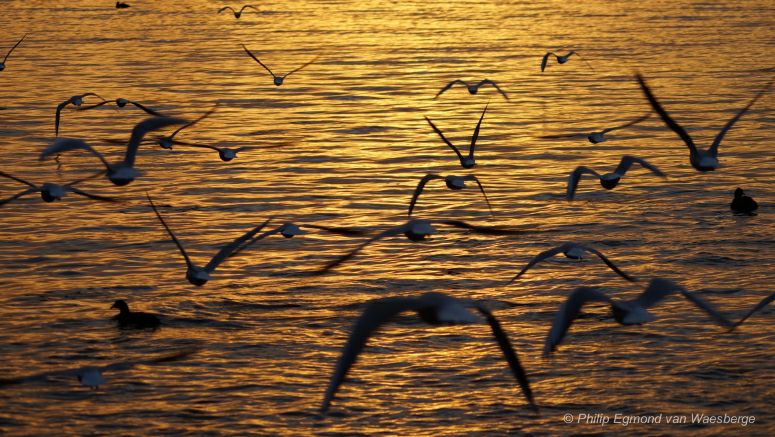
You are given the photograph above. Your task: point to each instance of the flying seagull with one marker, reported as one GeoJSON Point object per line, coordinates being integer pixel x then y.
{"type": "Point", "coordinates": [122, 172]}
{"type": "Point", "coordinates": [572, 251]}
{"type": "Point", "coordinates": [599, 136]}
{"type": "Point", "coordinates": [168, 141]}
{"type": "Point", "coordinates": [628, 312]}
{"type": "Point", "coordinates": [122, 102]}
{"type": "Point", "coordinates": [433, 308]}
{"type": "Point", "coordinates": [278, 80]}
{"type": "Point", "coordinates": [200, 275]}
{"type": "Point", "coordinates": [465, 161]}
{"type": "Point", "coordinates": [50, 192]}
{"type": "Point", "coordinates": [701, 160]}
{"type": "Point", "coordinates": [418, 230]}
{"type": "Point", "coordinates": [561, 59]}
{"type": "Point", "coordinates": [237, 14]}
{"type": "Point", "coordinates": [609, 181]}
{"type": "Point", "coordinates": [453, 183]}
{"type": "Point", "coordinates": [290, 230]}
{"type": "Point", "coordinates": [2, 64]}
{"type": "Point", "coordinates": [473, 88]}
{"type": "Point", "coordinates": [75, 101]}
{"type": "Point", "coordinates": [91, 376]}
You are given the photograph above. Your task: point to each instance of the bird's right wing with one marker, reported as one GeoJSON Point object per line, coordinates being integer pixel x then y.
{"type": "Point", "coordinates": [575, 176]}
{"type": "Point", "coordinates": [609, 263]}
{"type": "Point", "coordinates": [20, 180]}
{"type": "Point", "coordinates": [226, 8]}
{"type": "Point", "coordinates": [675, 127]}
{"type": "Point", "coordinates": [568, 312]}
{"type": "Point", "coordinates": [12, 48]}
{"type": "Point", "coordinates": [146, 109]}
{"type": "Point", "coordinates": [475, 136]}
{"type": "Point", "coordinates": [730, 123]}
{"type": "Point", "coordinates": [189, 264]}
{"type": "Point", "coordinates": [388, 233]}
{"type": "Point", "coordinates": [58, 116]}
{"type": "Point", "coordinates": [256, 59]}
{"type": "Point", "coordinates": [494, 85]}
{"type": "Point", "coordinates": [450, 85]}
{"type": "Point", "coordinates": [231, 247]}
{"type": "Point", "coordinates": [764, 302]}
{"type": "Point", "coordinates": [628, 160]}
{"type": "Point", "coordinates": [18, 195]}
{"type": "Point", "coordinates": [65, 144]}
{"type": "Point", "coordinates": [418, 190]}
{"type": "Point", "coordinates": [91, 196]}
{"type": "Point", "coordinates": [443, 138]}
{"type": "Point", "coordinates": [540, 257]}
{"type": "Point", "coordinates": [707, 307]}
{"type": "Point", "coordinates": [628, 124]}
{"type": "Point", "coordinates": [481, 188]}
{"type": "Point", "coordinates": [545, 60]}
{"type": "Point", "coordinates": [142, 128]}
{"type": "Point", "coordinates": [191, 123]}
{"type": "Point", "coordinates": [376, 314]}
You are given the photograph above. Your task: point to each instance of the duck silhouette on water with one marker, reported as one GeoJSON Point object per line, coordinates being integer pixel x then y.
{"type": "Point", "coordinates": [743, 204]}
{"type": "Point", "coordinates": [134, 319]}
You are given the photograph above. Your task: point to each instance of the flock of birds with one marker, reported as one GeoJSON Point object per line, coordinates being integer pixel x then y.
{"type": "Point", "coordinates": [434, 308]}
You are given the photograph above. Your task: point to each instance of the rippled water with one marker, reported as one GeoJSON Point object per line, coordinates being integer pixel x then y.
{"type": "Point", "coordinates": [343, 143]}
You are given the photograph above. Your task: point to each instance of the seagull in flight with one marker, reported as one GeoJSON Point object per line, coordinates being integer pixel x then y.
{"type": "Point", "coordinates": [91, 376]}
{"type": "Point", "coordinates": [122, 102]}
{"type": "Point", "coordinates": [598, 137]}
{"type": "Point", "coordinates": [572, 251]}
{"type": "Point", "coordinates": [465, 161]}
{"type": "Point", "coordinates": [168, 141]}
{"type": "Point", "coordinates": [2, 64]}
{"type": "Point", "coordinates": [200, 275]}
{"type": "Point", "coordinates": [50, 192]}
{"type": "Point", "coordinates": [609, 181]}
{"type": "Point", "coordinates": [473, 88]}
{"type": "Point", "coordinates": [453, 183]}
{"type": "Point", "coordinates": [75, 101]}
{"type": "Point", "coordinates": [627, 312]}
{"type": "Point", "coordinates": [290, 230]}
{"type": "Point", "coordinates": [278, 80]}
{"type": "Point", "coordinates": [122, 172]}
{"type": "Point", "coordinates": [418, 230]}
{"type": "Point", "coordinates": [433, 308]}
{"type": "Point", "coordinates": [561, 59]}
{"type": "Point", "coordinates": [701, 160]}
{"type": "Point", "coordinates": [237, 14]}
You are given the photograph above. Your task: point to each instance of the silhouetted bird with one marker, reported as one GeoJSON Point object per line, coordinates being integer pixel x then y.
{"type": "Point", "coordinates": [454, 183]}
{"type": "Point", "coordinates": [465, 161]}
{"type": "Point", "coordinates": [701, 160]}
{"type": "Point", "coordinates": [134, 319]}
{"type": "Point", "coordinates": [278, 80]}
{"type": "Point", "coordinates": [2, 64]}
{"type": "Point", "coordinates": [609, 181]}
{"type": "Point", "coordinates": [75, 101]}
{"type": "Point", "coordinates": [472, 88]}
{"type": "Point", "coordinates": [237, 14]}
{"type": "Point", "coordinates": [434, 309]}
{"type": "Point", "coordinates": [121, 5]}
{"type": "Point", "coordinates": [50, 192]}
{"type": "Point", "coordinates": [742, 203]}
{"type": "Point", "coordinates": [572, 251]}
{"type": "Point", "coordinates": [561, 59]}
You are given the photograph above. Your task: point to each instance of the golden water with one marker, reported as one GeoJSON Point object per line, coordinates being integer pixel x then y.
{"type": "Point", "coordinates": [343, 142]}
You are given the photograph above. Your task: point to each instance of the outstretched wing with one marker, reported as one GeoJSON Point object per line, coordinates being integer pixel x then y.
{"type": "Point", "coordinates": [568, 312]}
{"type": "Point", "coordinates": [475, 136]}
{"type": "Point", "coordinates": [764, 302]}
{"type": "Point", "coordinates": [142, 128]}
{"type": "Point", "coordinates": [12, 48]}
{"type": "Point", "coordinates": [58, 116]}
{"type": "Point", "coordinates": [540, 257]}
{"type": "Point", "coordinates": [545, 60]}
{"type": "Point", "coordinates": [96, 105]}
{"type": "Point", "coordinates": [388, 233]}
{"type": "Point", "coordinates": [450, 85]}
{"type": "Point", "coordinates": [231, 247]}
{"type": "Point", "coordinates": [489, 82]}
{"type": "Point", "coordinates": [64, 144]}
{"type": "Point", "coordinates": [226, 8]}
{"type": "Point", "coordinates": [627, 162]}
{"type": "Point", "coordinates": [350, 232]}
{"type": "Point", "coordinates": [717, 141]}
{"type": "Point", "coordinates": [18, 195]}
{"type": "Point", "coordinates": [418, 190]}
{"type": "Point", "coordinates": [20, 180]}
{"type": "Point", "coordinates": [248, 6]}
{"type": "Point", "coordinates": [443, 138]}
{"type": "Point", "coordinates": [91, 196]}
{"type": "Point", "coordinates": [632, 123]}
{"type": "Point", "coordinates": [297, 69]}
{"type": "Point", "coordinates": [675, 127]}
{"type": "Point", "coordinates": [575, 176]}
{"type": "Point", "coordinates": [708, 308]}
{"type": "Point", "coordinates": [257, 60]}
{"type": "Point", "coordinates": [146, 109]}
{"type": "Point", "coordinates": [189, 124]}
{"type": "Point", "coordinates": [481, 188]}
{"type": "Point", "coordinates": [126, 365]}
{"type": "Point", "coordinates": [609, 263]}
{"type": "Point", "coordinates": [487, 230]}
{"type": "Point", "coordinates": [376, 314]}
{"type": "Point", "coordinates": [189, 264]}
{"type": "Point", "coordinates": [509, 354]}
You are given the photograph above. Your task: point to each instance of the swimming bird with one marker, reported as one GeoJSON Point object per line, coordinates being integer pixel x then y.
{"type": "Point", "coordinates": [91, 376]}
{"type": "Point", "coordinates": [122, 102]}
{"type": "Point", "coordinates": [122, 172]}
{"type": "Point", "coordinates": [453, 183]}
{"type": "Point", "coordinates": [2, 64]}
{"type": "Point", "coordinates": [599, 136]}
{"type": "Point", "coordinates": [763, 303]}
{"type": "Point", "coordinates": [133, 319]}
{"type": "Point", "coordinates": [742, 203]}
{"type": "Point", "coordinates": [278, 80]}
{"type": "Point", "coordinates": [561, 59]}
{"type": "Point", "coordinates": [472, 88]}
{"type": "Point", "coordinates": [628, 312]}
{"type": "Point", "coordinates": [50, 192]}
{"type": "Point", "coordinates": [572, 251]}
{"type": "Point", "coordinates": [465, 161]}
{"type": "Point", "coordinates": [701, 160]}
{"type": "Point", "coordinates": [168, 141]}
{"type": "Point", "coordinates": [433, 308]}
{"type": "Point", "coordinates": [75, 101]}
{"type": "Point", "coordinates": [418, 230]}
{"type": "Point", "coordinates": [200, 275]}
{"type": "Point", "coordinates": [121, 5]}
{"type": "Point", "coordinates": [609, 180]}
{"type": "Point", "coordinates": [237, 14]}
